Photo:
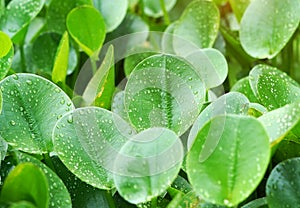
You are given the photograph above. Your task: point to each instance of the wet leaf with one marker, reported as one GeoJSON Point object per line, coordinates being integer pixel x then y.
{"type": "Point", "coordinates": [88, 140]}
{"type": "Point", "coordinates": [156, 92]}
{"type": "Point", "coordinates": [31, 107]}
{"type": "Point", "coordinates": [59, 196]}
{"type": "Point", "coordinates": [6, 54]}
{"type": "Point", "coordinates": [230, 103]}
{"type": "Point", "coordinates": [264, 32]}
{"type": "Point", "coordinates": [118, 105]}
{"type": "Point", "coordinates": [26, 182]}
{"type": "Point", "coordinates": [147, 164]}
{"type": "Point", "coordinates": [112, 14]}
{"type": "Point", "coordinates": [154, 9]}
{"type": "Point", "coordinates": [272, 87]}
{"type": "Point", "coordinates": [18, 15]}
{"type": "Point", "coordinates": [87, 27]}
{"type": "Point", "coordinates": [187, 200]}
{"type": "Point", "coordinates": [241, 157]}
{"type": "Point", "coordinates": [243, 86]}
{"type": "Point", "coordinates": [283, 184]}
{"type": "Point", "coordinates": [197, 27]}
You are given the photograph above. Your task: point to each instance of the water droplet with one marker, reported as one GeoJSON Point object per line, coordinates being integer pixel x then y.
{"type": "Point", "coordinates": [15, 77]}
{"type": "Point", "coordinates": [29, 82]}
{"type": "Point", "coordinates": [12, 122]}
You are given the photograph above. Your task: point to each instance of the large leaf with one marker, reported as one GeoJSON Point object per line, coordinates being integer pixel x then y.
{"type": "Point", "coordinates": [100, 88]}
{"type": "Point", "coordinates": [230, 103]}
{"type": "Point", "coordinates": [87, 27]}
{"type": "Point", "coordinates": [31, 107]}
{"type": "Point", "coordinates": [273, 87]}
{"type": "Point", "coordinates": [6, 54]}
{"type": "Point", "coordinates": [26, 182]}
{"type": "Point", "coordinates": [59, 196]}
{"type": "Point", "coordinates": [283, 184]}
{"type": "Point", "coordinates": [88, 140]}
{"type": "Point", "coordinates": [112, 14]}
{"type": "Point", "coordinates": [147, 164]}
{"type": "Point", "coordinates": [263, 31]}
{"type": "Point", "coordinates": [156, 92]}
{"type": "Point", "coordinates": [18, 14]}
{"type": "Point", "coordinates": [197, 27]}
{"type": "Point", "coordinates": [154, 8]}
{"type": "Point", "coordinates": [240, 157]}
{"type": "Point", "coordinates": [280, 121]}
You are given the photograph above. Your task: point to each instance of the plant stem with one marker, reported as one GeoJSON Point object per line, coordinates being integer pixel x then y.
{"type": "Point", "coordinates": [166, 15]}
{"type": "Point", "coordinates": [22, 56]}
{"type": "Point", "coordinates": [48, 161]}
{"type": "Point", "coordinates": [154, 202]}
{"type": "Point", "coordinates": [110, 200]}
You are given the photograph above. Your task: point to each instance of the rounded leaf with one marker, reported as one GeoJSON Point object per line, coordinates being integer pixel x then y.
{"type": "Point", "coordinates": [6, 54]}
{"type": "Point", "coordinates": [147, 164]}
{"type": "Point", "coordinates": [156, 92]}
{"type": "Point", "coordinates": [243, 86]}
{"type": "Point", "coordinates": [154, 8]}
{"type": "Point", "coordinates": [240, 157]}
{"type": "Point", "coordinates": [88, 140]}
{"type": "Point", "coordinates": [6, 44]}
{"type": "Point", "coordinates": [87, 27]}
{"type": "Point", "coordinates": [263, 31]}
{"type": "Point", "coordinates": [283, 184]}
{"type": "Point", "coordinates": [31, 107]}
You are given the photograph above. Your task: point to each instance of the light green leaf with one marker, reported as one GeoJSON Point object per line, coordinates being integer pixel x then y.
{"type": "Point", "coordinates": [31, 107]}
{"type": "Point", "coordinates": [230, 103]}
{"type": "Point", "coordinates": [118, 105]}
{"type": "Point", "coordinates": [87, 27]}
{"type": "Point", "coordinates": [88, 140]}
{"type": "Point", "coordinates": [6, 54]}
{"type": "Point", "coordinates": [18, 15]}
{"type": "Point", "coordinates": [241, 157]}
{"type": "Point", "coordinates": [1, 101]}
{"type": "Point", "coordinates": [147, 164]}
{"type": "Point", "coordinates": [100, 88]}
{"type": "Point", "coordinates": [154, 8]}
{"type": "Point", "coordinates": [26, 182]}
{"type": "Point", "coordinates": [59, 195]}
{"type": "Point", "coordinates": [283, 184]}
{"type": "Point", "coordinates": [156, 92]}
{"type": "Point", "coordinates": [280, 121]}
{"type": "Point", "coordinates": [264, 32]}
{"type": "Point", "coordinates": [112, 14]}
{"type": "Point", "coordinates": [197, 27]}
{"type": "Point", "coordinates": [239, 7]}
{"type": "Point", "coordinates": [6, 44]}
{"type": "Point", "coordinates": [272, 87]}
{"type": "Point", "coordinates": [60, 67]}
{"type": "Point", "coordinates": [3, 149]}
{"type": "Point", "coordinates": [243, 86]}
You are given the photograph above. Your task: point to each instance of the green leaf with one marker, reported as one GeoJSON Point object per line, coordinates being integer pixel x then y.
{"type": "Point", "coordinates": [31, 107]}
{"type": "Point", "coordinates": [286, 149]}
{"type": "Point", "coordinates": [197, 27]}
{"type": "Point", "coordinates": [118, 105]}
{"type": "Point", "coordinates": [263, 19]}
{"type": "Point", "coordinates": [59, 195]}
{"type": "Point", "coordinates": [6, 44]}
{"type": "Point", "coordinates": [181, 184]}
{"type": "Point", "coordinates": [147, 164]}
{"type": "Point", "coordinates": [283, 184]}
{"type": "Point", "coordinates": [3, 149]}
{"type": "Point", "coordinates": [272, 87]}
{"type": "Point", "coordinates": [112, 14]}
{"type": "Point", "coordinates": [239, 7]}
{"type": "Point", "coordinates": [167, 39]}
{"type": "Point", "coordinates": [2, 7]}
{"type": "Point", "coordinates": [241, 157]}
{"type": "Point", "coordinates": [154, 8]}
{"type": "Point", "coordinates": [230, 103]}
{"type": "Point", "coordinates": [188, 200]}
{"type": "Point", "coordinates": [156, 91]}
{"type": "Point", "coordinates": [243, 86]}
{"type": "Point", "coordinates": [87, 141]}
{"type": "Point", "coordinates": [6, 54]}
{"type": "Point", "coordinates": [60, 67]}
{"type": "Point", "coordinates": [257, 203]}
{"type": "Point", "coordinates": [100, 88]}
{"type": "Point", "coordinates": [280, 121]}
{"type": "Point", "coordinates": [87, 27]}
{"type": "Point", "coordinates": [22, 204]}
{"type": "Point", "coordinates": [57, 13]}
{"type": "Point", "coordinates": [18, 15]}
{"type": "Point", "coordinates": [26, 182]}
{"type": "Point", "coordinates": [1, 101]}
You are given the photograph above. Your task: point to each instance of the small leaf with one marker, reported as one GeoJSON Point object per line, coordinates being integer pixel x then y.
{"type": "Point", "coordinates": [147, 164]}
{"type": "Point", "coordinates": [243, 86]}
{"type": "Point", "coordinates": [88, 140]}
{"type": "Point", "coordinates": [272, 87]}
{"type": "Point", "coordinates": [31, 107]}
{"type": "Point", "coordinates": [239, 7]}
{"type": "Point", "coordinates": [264, 32]}
{"type": "Point", "coordinates": [87, 27]}
{"type": "Point", "coordinates": [59, 196]}
{"type": "Point", "coordinates": [18, 14]}
{"type": "Point", "coordinates": [154, 8]}
{"type": "Point", "coordinates": [280, 121]}
{"type": "Point", "coordinates": [283, 184]}
{"type": "Point", "coordinates": [26, 182]}
{"type": "Point", "coordinates": [197, 27]}
{"type": "Point", "coordinates": [6, 54]}
{"type": "Point", "coordinates": [241, 157]}
{"type": "Point", "coordinates": [60, 67]}
{"type": "Point", "coordinates": [156, 92]}
{"type": "Point", "coordinates": [100, 88]}
{"type": "Point", "coordinates": [112, 14]}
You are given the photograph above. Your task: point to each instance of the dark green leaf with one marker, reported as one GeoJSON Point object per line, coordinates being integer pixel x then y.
{"type": "Point", "coordinates": [31, 107]}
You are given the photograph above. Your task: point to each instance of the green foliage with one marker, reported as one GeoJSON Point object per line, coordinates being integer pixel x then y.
{"type": "Point", "coordinates": [179, 103]}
